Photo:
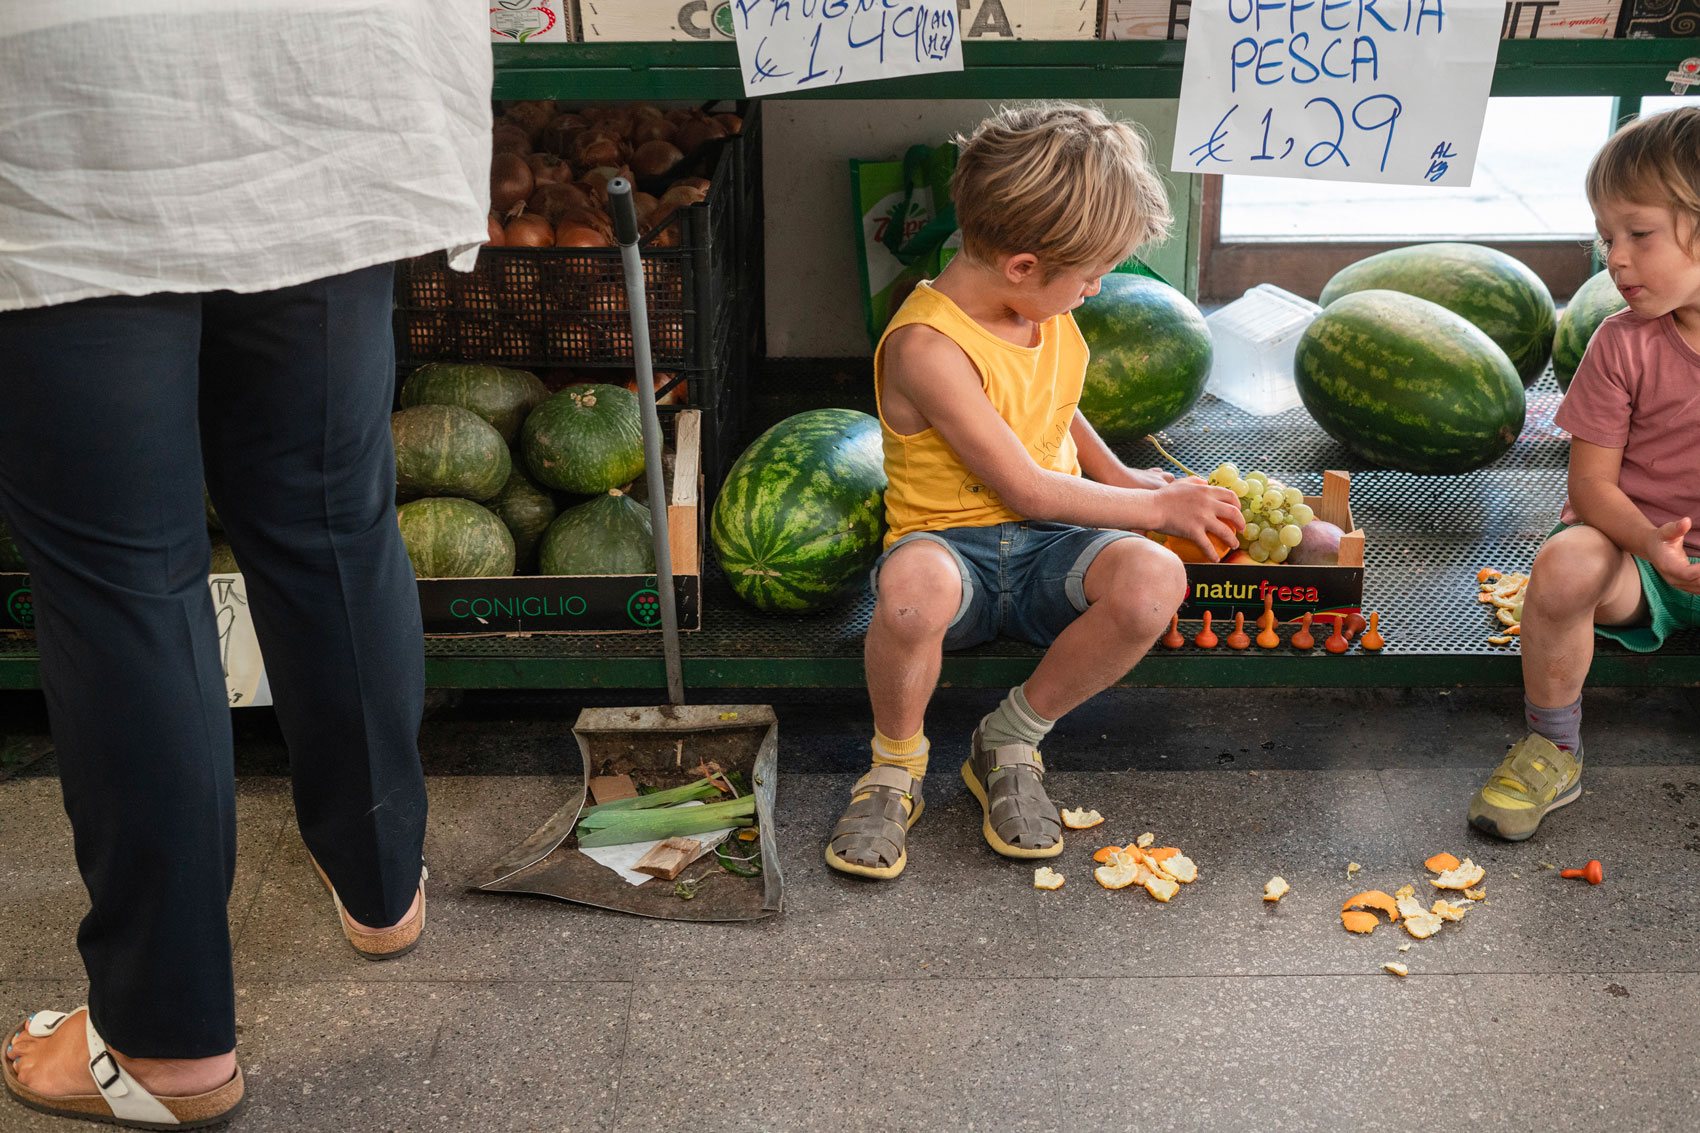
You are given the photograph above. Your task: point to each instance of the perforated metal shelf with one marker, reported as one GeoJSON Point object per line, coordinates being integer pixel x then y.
{"type": "Point", "coordinates": [1426, 538]}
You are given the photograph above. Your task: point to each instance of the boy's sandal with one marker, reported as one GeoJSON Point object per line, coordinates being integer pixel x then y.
{"type": "Point", "coordinates": [122, 1100]}
{"type": "Point", "coordinates": [1020, 819]}
{"type": "Point", "coordinates": [389, 943]}
{"type": "Point", "coordinates": [871, 840]}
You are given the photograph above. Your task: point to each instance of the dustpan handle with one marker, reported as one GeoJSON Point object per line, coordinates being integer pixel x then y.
{"type": "Point", "coordinates": [626, 230]}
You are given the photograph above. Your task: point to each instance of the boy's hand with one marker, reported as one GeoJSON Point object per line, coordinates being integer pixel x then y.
{"type": "Point", "coordinates": [1667, 555]}
{"type": "Point", "coordinates": [1195, 510]}
{"type": "Point", "coordinates": [1147, 478]}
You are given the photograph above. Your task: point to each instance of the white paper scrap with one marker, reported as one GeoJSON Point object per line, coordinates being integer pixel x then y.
{"type": "Point", "coordinates": [623, 857]}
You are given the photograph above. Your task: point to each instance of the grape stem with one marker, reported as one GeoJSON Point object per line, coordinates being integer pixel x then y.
{"type": "Point", "coordinates": [1169, 456]}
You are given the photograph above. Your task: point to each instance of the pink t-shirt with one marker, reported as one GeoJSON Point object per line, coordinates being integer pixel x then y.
{"type": "Point", "coordinates": [1638, 389]}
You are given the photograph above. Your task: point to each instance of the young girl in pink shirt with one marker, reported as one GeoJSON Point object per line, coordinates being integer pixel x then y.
{"type": "Point", "coordinates": [1621, 563]}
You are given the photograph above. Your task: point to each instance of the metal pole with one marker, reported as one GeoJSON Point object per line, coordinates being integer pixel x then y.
{"type": "Point", "coordinates": [626, 230]}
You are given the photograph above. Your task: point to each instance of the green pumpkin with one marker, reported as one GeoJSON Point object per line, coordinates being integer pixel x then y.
{"type": "Point", "coordinates": [610, 534]}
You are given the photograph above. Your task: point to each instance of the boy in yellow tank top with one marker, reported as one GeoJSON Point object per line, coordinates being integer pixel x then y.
{"type": "Point", "coordinates": [1008, 513]}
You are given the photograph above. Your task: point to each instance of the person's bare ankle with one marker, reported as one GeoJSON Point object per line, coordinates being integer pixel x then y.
{"type": "Point", "coordinates": [179, 1077]}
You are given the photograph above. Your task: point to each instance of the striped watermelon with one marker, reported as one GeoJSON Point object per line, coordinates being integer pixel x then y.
{"type": "Point", "coordinates": [801, 516]}
{"type": "Point", "coordinates": [1407, 384]}
{"type": "Point", "coordinates": [1593, 302]}
{"type": "Point", "coordinates": [1150, 356]}
{"type": "Point", "coordinates": [1496, 292]}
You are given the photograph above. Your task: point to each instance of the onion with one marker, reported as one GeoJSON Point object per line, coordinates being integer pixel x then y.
{"type": "Point", "coordinates": [496, 238]}
{"type": "Point", "coordinates": [579, 236]}
{"type": "Point", "coordinates": [558, 135]}
{"type": "Point", "coordinates": [508, 138]}
{"type": "Point", "coordinates": [597, 146]}
{"type": "Point", "coordinates": [510, 181]}
{"type": "Point", "coordinates": [528, 230]}
{"type": "Point", "coordinates": [702, 183]}
{"type": "Point", "coordinates": [656, 129]}
{"type": "Point", "coordinates": [644, 205]}
{"type": "Point", "coordinates": [531, 115]}
{"type": "Point", "coordinates": [731, 122]}
{"type": "Point", "coordinates": [551, 200]}
{"type": "Point", "coordinates": [597, 180]}
{"type": "Point", "coordinates": [577, 216]}
{"type": "Point", "coordinates": [548, 169]}
{"type": "Point", "coordinates": [679, 196]}
{"type": "Point", "coordinates": [680, 115]}
{"type": "Point", "coordinates": [698, 132]}
{"type": "Point", "coordinates": [656, 159]}
{"type": "Point", "coordinates": [618, 120]}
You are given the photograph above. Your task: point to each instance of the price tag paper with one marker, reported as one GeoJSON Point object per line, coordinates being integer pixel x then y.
{"type": "Point", "coordinates": [1338, 90]}
{"type": "Point", "coordinates": [238, 648]}
{"type": "Point", "coordinates": [788, 45]}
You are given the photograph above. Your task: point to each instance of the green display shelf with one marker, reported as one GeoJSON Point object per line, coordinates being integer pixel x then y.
{"type": "Point", "coordinates": [1120, 69]}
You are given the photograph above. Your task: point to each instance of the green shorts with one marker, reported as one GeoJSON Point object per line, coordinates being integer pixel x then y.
{"type": "Point", "coordinates": [1668, 610]}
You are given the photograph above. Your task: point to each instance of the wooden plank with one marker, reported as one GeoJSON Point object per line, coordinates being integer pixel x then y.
{"type": "Point", "coordinates": [683, 521]}
{"type": "Point", "coordinates": [667, 859]}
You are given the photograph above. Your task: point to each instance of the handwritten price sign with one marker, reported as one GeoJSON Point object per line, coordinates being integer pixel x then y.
{"type": "Point", "coordinates": [787, 45]}
{"type": "Point", "coordinates": [1339, 90]}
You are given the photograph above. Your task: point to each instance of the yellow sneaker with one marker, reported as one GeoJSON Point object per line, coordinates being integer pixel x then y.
{"type": "Point", "coordinates": [1535, 779]}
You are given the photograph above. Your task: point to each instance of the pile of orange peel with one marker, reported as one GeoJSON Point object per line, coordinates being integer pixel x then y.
{"type": "Point", "coordinates": [1505, 593]}
{"type": "Point", "coordinates": [1358, 914]}
{"type": "Point", "coordinates": [1160, 872]}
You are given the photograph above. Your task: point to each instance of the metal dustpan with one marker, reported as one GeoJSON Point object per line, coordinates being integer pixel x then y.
{"type": "Point", "coordinates": [657, 746]}
{"type": "Point", "coordinates": [660, 745]}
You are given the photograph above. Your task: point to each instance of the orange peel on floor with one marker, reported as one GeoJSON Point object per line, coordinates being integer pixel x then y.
{"type": "Point", "coordinates": [1397, 969]}
{"type": "Point", "coordinates": [1275, 888]}
{"type": "Point", "coordinates": [1081, 819]}
{"type": "Point", "coordinates": [1476, 894]}
{"type": "Point", "coordinates": [1372, 899]}
{"type": "Point", "coordinates": [1465, 876]}
{"type": "Point", "coordinates": [1161, 853]}
{"type": "Point", "coordinates": [1047, 878]}
{"type": "Point", "coordinates": [1449, 912]}
{"type": "Point", "coordinates": [1442, 862]}
{"type": "Point", "coordinates": [1162, 888]}
{"type": "Point", "coordinates": [1180, 867]}
{"type": "Point", "coordinates": [1410, 907]}
{"type": "Point", "coordinates": [1117, 875]}
{"type": "Point", "coordinates": [1144, 840]}
{"type": "Point", "coordinates": [1423, 925]}
{"type": "Point", "coordinates": [1358, 921]}
{"type": "Point", "coordinates": [1106, 853]}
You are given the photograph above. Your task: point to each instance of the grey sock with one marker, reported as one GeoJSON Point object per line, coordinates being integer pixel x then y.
{"type": "Point", "coordinates": [1015, 722]}
{"type": "Point", "coordinates": [1563, 726]}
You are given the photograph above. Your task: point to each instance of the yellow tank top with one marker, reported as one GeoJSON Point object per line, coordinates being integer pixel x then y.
{"type": "Point", "coordinates": [1034, 389]}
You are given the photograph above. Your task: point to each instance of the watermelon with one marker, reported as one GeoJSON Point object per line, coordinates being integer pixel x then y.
{"type": "Point", "coordinates": [444, 450]}
{"type": "Point", "coordinates": [1407, 384]}
{"type": "Point", "coordinates": [528, 510]}
{"type": "Point", "coordinates": [1496, 292]}
{"type": "Point", "coordinates": [448, 537]}
{"type": "Point", "coordinates": [11, 559]}
{"type": "Point", "coordinates": [585, 439]}
{"type": "Point", "coordinates": [1150, 356]}
{"type": "Point", "coordinates": [610, 534]}
{"type": "Point", "coordinates": [501, 396]}
{"type": "Point", "coordinates": [1587, 309]}
{"type": "Point", "coordinates": [801, 516]}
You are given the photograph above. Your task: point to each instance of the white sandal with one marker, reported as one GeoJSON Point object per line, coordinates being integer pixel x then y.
{"type": "Point", "coordinates": [121, 1100]}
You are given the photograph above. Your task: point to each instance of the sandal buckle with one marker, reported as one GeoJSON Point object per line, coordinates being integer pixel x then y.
{"type": "Point", "coordinates": [112, 1064]}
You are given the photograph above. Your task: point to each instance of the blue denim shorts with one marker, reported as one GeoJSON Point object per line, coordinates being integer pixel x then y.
{"type": "Point", "coordinates": [1021, 580]}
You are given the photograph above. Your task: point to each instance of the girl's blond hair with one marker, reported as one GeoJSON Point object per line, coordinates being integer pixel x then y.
{"type": "Point", "coordinates": [1653, 161]}
{"type": "Point", "coordinates": [1063, 182]}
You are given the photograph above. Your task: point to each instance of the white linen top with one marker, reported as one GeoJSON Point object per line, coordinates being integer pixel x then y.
{"type": "Point", "coordinates": [248, 145]}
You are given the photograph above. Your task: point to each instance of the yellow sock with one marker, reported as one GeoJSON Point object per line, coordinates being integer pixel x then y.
{"type": "Point", "coordinates": [908, 755]}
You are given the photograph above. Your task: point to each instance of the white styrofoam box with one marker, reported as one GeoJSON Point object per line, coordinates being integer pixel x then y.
{"type": "Point", "coordinates": [642, 20]}
{"type": "Point", "coordinates": [1252, 341]}
{"type": "Point", "coordinates": [1524, 19]}
{"type": "Point", "coordinates": [531, 21]}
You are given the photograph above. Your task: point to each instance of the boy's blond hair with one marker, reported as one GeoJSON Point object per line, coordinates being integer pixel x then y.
{"type": "Point", "coordinates": [1063, 182]}
{"type": "Point", "coordinates": [1653, 161]}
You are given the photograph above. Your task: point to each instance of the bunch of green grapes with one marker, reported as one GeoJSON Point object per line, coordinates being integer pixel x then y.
{"type": "Point", "coordinates": [1274, 513]}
